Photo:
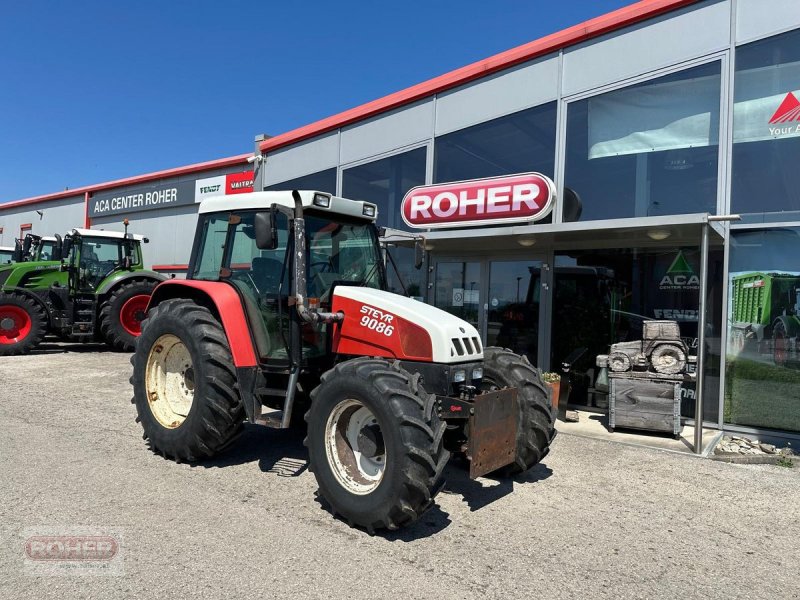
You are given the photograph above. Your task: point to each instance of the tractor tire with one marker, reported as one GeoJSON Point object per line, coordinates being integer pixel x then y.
{"type": "Point", "coordinates": [375, 444]}
{"type": "Point", "coordinates": [23, 324]}
{"type": "Point", "coordinates": [121, 315]}
{"type": "Point", "coordinates": [668, 359]}
{"type": "Point", "coordinates": [184, 383]}
{"type": "Point", "coordinates": [619, 362]}
{"type": "Point", "coordinates": [502, 368]}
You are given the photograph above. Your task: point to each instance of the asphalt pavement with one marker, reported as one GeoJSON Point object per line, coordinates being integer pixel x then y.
{"type": "Point", "coordinates": [595, 520]}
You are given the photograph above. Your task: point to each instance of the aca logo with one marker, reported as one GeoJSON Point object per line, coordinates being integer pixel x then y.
{"type": "Point", "coordinates": [785, 118]}
{"type": "Point", "coordinates": [680, 275]}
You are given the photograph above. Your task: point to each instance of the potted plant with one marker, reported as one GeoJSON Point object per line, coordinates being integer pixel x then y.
{"type": "Point", "coordinates": [553, 383]}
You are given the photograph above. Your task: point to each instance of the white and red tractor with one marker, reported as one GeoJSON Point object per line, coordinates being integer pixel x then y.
{"type": "Point", "coordinates": [284, 314]}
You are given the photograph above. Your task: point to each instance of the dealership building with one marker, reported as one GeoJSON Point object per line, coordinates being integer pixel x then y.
{"type": "Point", "coordinates": [671, 129]}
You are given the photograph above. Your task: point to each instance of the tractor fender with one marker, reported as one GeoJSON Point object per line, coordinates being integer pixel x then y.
{"type": "Point", "coordinates": [112, 282]}
{"type": "Point", "coordinates": [29, 294]}
{"type": "Point", "coordinates": [791, 324]}
{"type": "Point", "coordinates": [224, 302]}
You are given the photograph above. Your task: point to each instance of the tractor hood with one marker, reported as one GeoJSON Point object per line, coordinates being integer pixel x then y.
{"type": "Point", "coordinates": [379, 323]}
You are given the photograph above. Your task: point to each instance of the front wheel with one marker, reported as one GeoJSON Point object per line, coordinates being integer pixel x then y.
{"type": "Point", "coordinates": [22, 324]}
{"type": "Point", "coordinates": [502, 368]}
{"type": "Point", "coordinates": [184, 383]}
{"type": "Point", "coordinates": [122, 314]}
{"type": "Point", "coordinates": [375, 443]}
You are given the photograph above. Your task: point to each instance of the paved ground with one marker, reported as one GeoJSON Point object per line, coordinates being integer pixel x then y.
{"type": "Point", "coordinates": [597, 520]}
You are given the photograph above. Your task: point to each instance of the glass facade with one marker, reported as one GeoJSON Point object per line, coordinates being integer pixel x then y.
{"type": "Point", "coordinates": [766, 129]}
{"type": "Point", "coordinates": [385, 182]}
{"type": "Point", "coordinates": [322, 181]}
{"type": "Point", "coordinates": [763, 364]}
{"type": "Point", "coordinates": [602, 297]}
{"type": "Point", "coordinates": [646, 150]}
{"type": "Point", "coordinates": [520, 142]}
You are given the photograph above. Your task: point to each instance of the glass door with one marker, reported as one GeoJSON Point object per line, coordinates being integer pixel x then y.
{"type": "Point", "coordinates": [458, 289]}
{"type": "Point", "coordinates": [501, 298]}
{"type": "Point", "coordinates": [513, 302]}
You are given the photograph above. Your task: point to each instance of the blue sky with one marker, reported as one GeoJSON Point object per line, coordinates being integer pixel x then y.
{"type": "Point", "coordinates": [92, 91]}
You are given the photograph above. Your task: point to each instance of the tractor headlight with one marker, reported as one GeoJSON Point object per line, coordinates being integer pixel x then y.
{"type": "Point", "coordinates": [477, 373]}
{"type": "Point", "coordinates": [369, 210]}
{"type": "Point", "coordinates": [322, 200]}
{"type": "Point", "coordinates": [459, 376]}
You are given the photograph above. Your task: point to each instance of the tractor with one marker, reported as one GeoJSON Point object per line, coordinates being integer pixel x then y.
{"type": "Point", "coordinates": [285, 314]}
{"type": "Point", "coordinates": [34, 248]}
{"type": "Point", "coordinates": [766, 315]}
{"type": "Point", "coordinates": [94, 288]}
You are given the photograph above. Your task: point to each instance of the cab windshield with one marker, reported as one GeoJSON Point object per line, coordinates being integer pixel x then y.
{"type": "Point", "coordinates": [6, 256]}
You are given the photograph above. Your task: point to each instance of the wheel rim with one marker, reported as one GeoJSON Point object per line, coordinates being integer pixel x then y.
{"type": "Point", "coordinates": [132, 314]}
{"type": "Point", "coordinates": [354, 447]}
{"type": "Point", "coordinates": [170, 381]}
{"type": "Point", "coordinates": [15, 324]}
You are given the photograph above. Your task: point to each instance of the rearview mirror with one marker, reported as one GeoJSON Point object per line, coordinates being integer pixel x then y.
{"type": "Point", "coordinates": [266, 236]}
{"type": "Point", "coordinates": [66, 247]}
{"type": "Point", "coordinates": [18, 250]}
{"type": "Point", "coordinates": [58, 251]}
{"type": "Point", "coordinates": [419, 253]}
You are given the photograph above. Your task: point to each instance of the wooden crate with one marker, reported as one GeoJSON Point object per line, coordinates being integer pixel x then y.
{"type": "Point", "coordinates": [652, 404]}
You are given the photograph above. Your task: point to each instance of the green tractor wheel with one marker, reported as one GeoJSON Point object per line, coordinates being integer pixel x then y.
{"type": "Point", "coordinates": [122, 313]}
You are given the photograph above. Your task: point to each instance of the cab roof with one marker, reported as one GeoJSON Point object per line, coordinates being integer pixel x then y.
{"type": "Point", "coordinates": [264, 200]}
{"type": "Point", "coordinates": [117, 235]}
{"type": "Point", "coordinates": [11, 248]}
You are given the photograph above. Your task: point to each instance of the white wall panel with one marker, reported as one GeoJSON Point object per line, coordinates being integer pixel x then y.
{"type": "Point", "coordinates": [393, 130]}
{"type": "Point", "coordinates": [300, 159]}
{"type": "Point", "coordinates": [761, 18]}
{"type": "Point", "coordinates": [58, 216]}
{"type": "Point", "coordinates": [506, 92]}
{"type": "Point", "coordinates": [672, 38]}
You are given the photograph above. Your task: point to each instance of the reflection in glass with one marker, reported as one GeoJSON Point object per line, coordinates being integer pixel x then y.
{"type": "Point", "coordinates": [513, 315]}
{"type": "Point", "coordinates": [384, 182]}
{"type": "Point", "coordinates": [648, 149]}
{"type": "Point", "coordinates": [458, 287]}
{"type": "Point", "coordinates": [323, 181]}
{"type": "Point", "coordinates": [762, 385]}
{"type": "Point", "coordinates": [766, 129]}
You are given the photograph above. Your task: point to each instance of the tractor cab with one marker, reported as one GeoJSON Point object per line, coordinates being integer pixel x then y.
{"type": "Point", "coordinates": [92, 256]}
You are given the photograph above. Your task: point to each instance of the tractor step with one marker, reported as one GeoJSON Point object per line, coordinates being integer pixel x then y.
{"type": "Point", "coordinates": [271, 419]}
{"type": "Point", "coordinates": [275, 392]}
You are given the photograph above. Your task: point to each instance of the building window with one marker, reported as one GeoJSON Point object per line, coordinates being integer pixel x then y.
{"type": "Point", "coordinates": [648, 149]}
{"type": "Point", "coordinates": [385, 182]}
{"type": "Point", "coordinates": [517, 143]}
{"type": "Point", "coordinates": [766, 129]}
{"type": "Point", "coordinates": [323, 181]}
{"type": "Point", "coordinates": [763, 368]}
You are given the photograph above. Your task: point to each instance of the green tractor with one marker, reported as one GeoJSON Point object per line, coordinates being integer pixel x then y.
{"type": "Point", "coordinates": [32, 248]}
{"type": "Point", "coordinates": [95, 288]}
{"type": "Point", "coordinates": [766, 306]}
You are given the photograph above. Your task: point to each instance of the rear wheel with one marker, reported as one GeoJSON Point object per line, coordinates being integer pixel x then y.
{"type": "Point", "coordinates": [668, 359]}
{"type": "Point", "coordinates": [375, 443]}
{"type": "Point", "coordinates": [22, 324]}
{"type": "Point", "coordinates": [122, 314]}
{"type": "Point", "coordinates": [502, 368]}
{"type": "Point", "coordinates": [184, 383]}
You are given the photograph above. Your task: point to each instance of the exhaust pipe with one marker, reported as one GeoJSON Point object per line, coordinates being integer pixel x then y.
{"type": "Point", "coordinates": [300, 284]}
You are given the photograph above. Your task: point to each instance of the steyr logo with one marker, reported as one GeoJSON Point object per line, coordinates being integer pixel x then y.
{"type": "Point", "coordinates": [788, 111]}
{"type": "Point", "coordinates": [680, 275]}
